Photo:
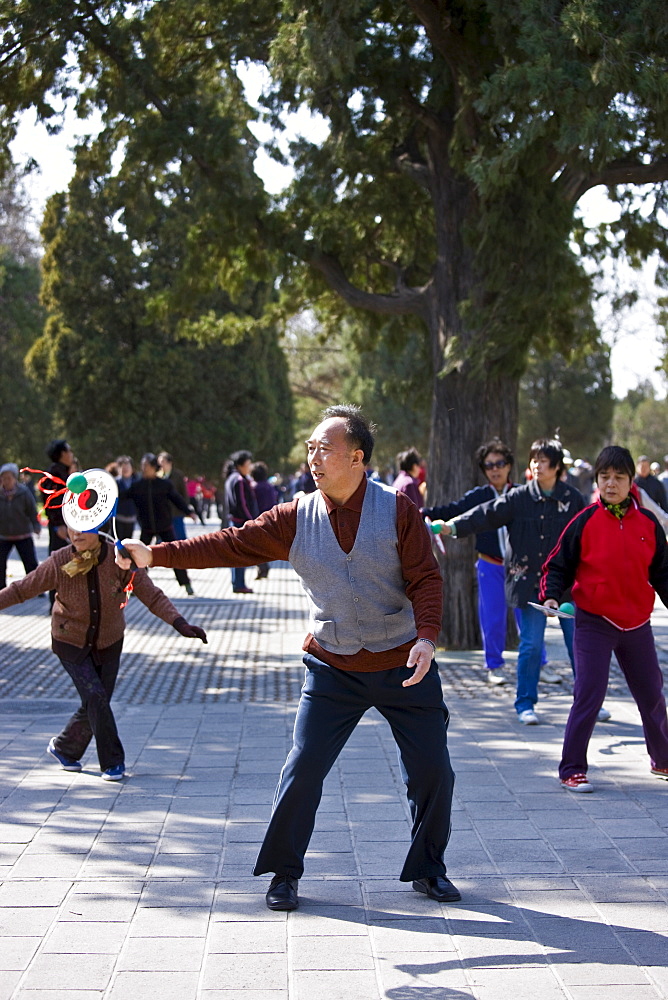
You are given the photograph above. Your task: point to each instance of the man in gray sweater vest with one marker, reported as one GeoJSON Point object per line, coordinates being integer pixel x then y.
{"type": "Point", "coordinates": [375, 598]}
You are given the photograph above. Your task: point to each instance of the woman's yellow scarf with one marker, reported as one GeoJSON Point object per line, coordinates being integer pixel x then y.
{"type": "Point", "coordinates": [83, 562]}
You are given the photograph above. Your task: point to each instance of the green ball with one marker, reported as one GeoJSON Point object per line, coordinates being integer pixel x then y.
{"type": "Point", "coordinates": [77, 482]}
{"type": "Point", "coordinates": [567, 608]}
{"type": "Point", "coordinates": [435, 529]}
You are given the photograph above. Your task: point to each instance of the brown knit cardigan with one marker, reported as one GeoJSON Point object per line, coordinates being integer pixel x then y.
{"type": "Point", "coordinates": [70, 619]}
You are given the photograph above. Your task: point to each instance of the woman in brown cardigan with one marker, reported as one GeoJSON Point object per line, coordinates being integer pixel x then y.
{"type": "Point", "coordinates": [87, 627]}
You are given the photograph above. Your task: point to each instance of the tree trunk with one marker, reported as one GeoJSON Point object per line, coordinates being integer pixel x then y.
{"type": "Point", "coordinates": [465, 413]}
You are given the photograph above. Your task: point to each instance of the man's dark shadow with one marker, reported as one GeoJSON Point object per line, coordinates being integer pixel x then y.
{"type": "Point", "coordinates": [570, 940]}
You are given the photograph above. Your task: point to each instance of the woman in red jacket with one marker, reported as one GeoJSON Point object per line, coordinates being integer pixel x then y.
{"type": "Point", "coordinates": [614, 556]}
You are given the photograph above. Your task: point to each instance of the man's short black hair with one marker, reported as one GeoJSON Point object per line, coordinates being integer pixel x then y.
{"type": "Point", "coordinates": [150, 459]}
{"type": "Point", "coordinates": [495, 445]}
{"type": "Point", "coordinates": [407, 459]}
{"type": "Point", "coordinates": [617, 458]}
{"type": "Point", "coordinates": [56, 448]}
{"type": "Point", "coordinates": [260, 472]}
{"type": "Point", "coordinates": [552, 449]}
{"type": "Point", "coordinates": [359, 430]}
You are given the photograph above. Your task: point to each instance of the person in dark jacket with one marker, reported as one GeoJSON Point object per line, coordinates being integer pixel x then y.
{"type": "Point", "coordinates": [495, 460]}
{"type": "Point", "coordinates": [62, 464]}
{"type": "Point", "coordinates": [407, 480]}
{"type": "Point", "coordinates": [18, 521]}
{"type": "Point", "coordinates": [241, 504]}
{"type": "Point", "coordinates": [87, 628]}
{"type": "Point", "coordinates": [535, 516]}
{"type": "Point", "coordinates": [154, 499]}
{"type": "Point", "coordinates": [649, 483]}
{"type": "Point", "coordinates": [266, 497]}
{"type": "Point", "coordinates": [126, 512]}
{"type": "Point", "coordinates": [613, 557]}
{"type": "Point", "coordinates": [178, 481]}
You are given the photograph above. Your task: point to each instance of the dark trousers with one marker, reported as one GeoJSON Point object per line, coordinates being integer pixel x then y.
{"type": "Point", "coordinates": [95, 685]}
{"type": "Point", "coordinates": [595, 641]}
{"type": "Point", "coordinates": [166, 536]}
{"type": "Point", "coordinates": [26, 550]}
{"type": "Point", "coordinates": [332, 703]}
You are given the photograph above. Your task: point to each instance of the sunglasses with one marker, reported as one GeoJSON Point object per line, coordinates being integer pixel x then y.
{"type": "Point", "coordinates": [501, 464]}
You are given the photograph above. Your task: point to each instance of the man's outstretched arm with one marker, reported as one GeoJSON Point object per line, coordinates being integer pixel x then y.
{"type": "Point", "coordinates": [264, 539]}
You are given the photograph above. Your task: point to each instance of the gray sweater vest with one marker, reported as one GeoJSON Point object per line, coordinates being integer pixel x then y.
{"type": "Point", "coordinates": [356, 601]}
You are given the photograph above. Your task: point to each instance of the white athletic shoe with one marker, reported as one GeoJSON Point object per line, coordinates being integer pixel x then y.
{"type": "Point", "coordinates": [528, 717]}
{"type": "Point", "coordinates": [603, 714]}
{"type": "Point", "coordinates": [496, 677]}
{"type": "Point", "coordinates": [549, 676]}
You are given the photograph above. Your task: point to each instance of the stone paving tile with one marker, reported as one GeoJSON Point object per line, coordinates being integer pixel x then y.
{"type": "Point", "coordinates": [612, 992]}
{"type": "Point", "coordinates": [149, 954]}
{"type": "Point", "coordinates": [86, 938]}
{"type": "Point", "coordinates": [515, 984]}
{"type": "Point", "coordinates": [170, 921]}
{"type": "Point", "coordinates": [67, 972]}
{"type": "Point", "coordinates": [8, 983]}
{"type": "Point", "coordinates": [420, 972]}
{"type": "Point", "coordinates": [251, 937]}
{"type": "Point", "coordinates": [355, 985]}
{"type": "Point", "coordinates": [16, 953]}
{"type": "Point", "coordinates": [150, 985]}
{"type": "Point", "coordinates": [263, 994]}
{"type": "Point", "coordinates": [313, 919]}
{"type": "Point", "coordinates": [585, 886]}
{"type": "Point", "coordinates": [245, 971]}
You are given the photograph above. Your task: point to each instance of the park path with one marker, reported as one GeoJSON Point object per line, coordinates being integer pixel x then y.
{"type": "Point", "coordinates": [142, 889]}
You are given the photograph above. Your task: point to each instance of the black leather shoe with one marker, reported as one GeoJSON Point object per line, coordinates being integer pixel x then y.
{"type": "Point", "coordinates": [282, 893]}
{"type": "Point", "coordinates": [438, 887]}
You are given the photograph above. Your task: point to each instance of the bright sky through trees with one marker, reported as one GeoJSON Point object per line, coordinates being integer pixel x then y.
{"type": "Point", "coordinates": [634, 337]}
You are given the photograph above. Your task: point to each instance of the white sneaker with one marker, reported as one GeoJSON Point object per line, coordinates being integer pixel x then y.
{"type": "Point", "coordinates": [496, 677]}
{"type": "Point", "coordinates": [603, 714]}
{"type": "Point", "coordinates": [528, 717]}
{"type": "Point", "coordinates": [549, 676]}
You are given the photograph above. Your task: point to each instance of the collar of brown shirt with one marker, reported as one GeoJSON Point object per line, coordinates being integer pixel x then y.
{"type": "Point", "coordinates": [345, 518]}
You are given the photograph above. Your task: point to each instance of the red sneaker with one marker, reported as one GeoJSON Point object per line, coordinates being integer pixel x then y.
{"type": "Point", "coordinates": [578, 783]}
{"type": "Point", "coordinates": [660, 772]}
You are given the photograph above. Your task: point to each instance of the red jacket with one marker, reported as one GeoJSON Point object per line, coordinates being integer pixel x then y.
{"type": "Point", "coordinates": [613, 567]}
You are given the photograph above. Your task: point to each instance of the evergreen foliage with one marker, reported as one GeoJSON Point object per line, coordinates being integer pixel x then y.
{"type": "Point", "coordinates": [461, 137]}
{"type": "Point", "coordinates": [575, 397]}
{"type": "Point", "coordinates": [130, 376]}
{"type": "Point", "coordinates": [641, 423]}
{"type": "Point", "coordinates": [25, 413]}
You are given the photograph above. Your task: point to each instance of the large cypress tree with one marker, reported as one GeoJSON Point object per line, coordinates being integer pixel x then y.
{"type": "Point", "coordinates": [461, 137]}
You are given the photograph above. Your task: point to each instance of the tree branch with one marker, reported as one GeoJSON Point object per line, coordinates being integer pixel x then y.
{"type": "Point", "coordinates": [418, 172]}
{"type": "Point", "coordinates": [574, 183]}
{"type": "Point", "coordinates": [403, 301]}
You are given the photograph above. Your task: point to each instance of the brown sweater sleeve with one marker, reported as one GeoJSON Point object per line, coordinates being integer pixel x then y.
{"type": "Point", "coordinates": [45, 577]}
{"type": "Point", "coordinates": [268, 537]}
{"type": "Point", "coordinates": [424, 584]}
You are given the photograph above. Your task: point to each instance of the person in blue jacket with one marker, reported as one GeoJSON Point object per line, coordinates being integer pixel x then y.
{"type": "Point", "coordinates": [495, 460]}
{"type": "Point", "coordinates": [535, 516]}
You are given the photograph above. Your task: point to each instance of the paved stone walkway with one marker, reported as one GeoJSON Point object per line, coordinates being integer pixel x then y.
{"type": "Point", "coordinates": [142, 889]}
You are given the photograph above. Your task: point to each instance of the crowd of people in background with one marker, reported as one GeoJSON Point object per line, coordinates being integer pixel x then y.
{"type": "Point", "coordinates": [155, 497]}
{"type": "Point", "coordinates": [537, 540]}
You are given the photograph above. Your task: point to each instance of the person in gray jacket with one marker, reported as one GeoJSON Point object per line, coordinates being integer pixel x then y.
{"type": "Point", "coordinates": [535, 516]}
{"type": "Point", "coordinates": [18, 521]}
